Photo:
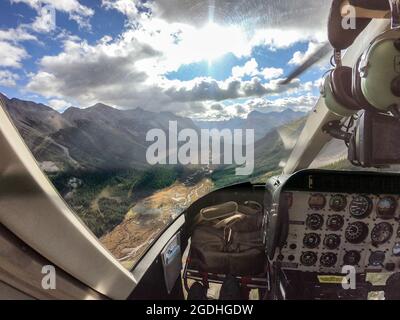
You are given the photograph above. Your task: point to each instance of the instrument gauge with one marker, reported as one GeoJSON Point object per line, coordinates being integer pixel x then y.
{"type": "Point", "coordinates": [332, 241]}
{"type": "Point", "coordinates": [308, 258]}
{"type": "Point", "coordinates": [335, 222]}
{"type": "Point", "coordinates": [351, 258]}
{"type": "Point", "coordinates": [360, 207]}
{"type": "Point", "coordinates": [328, 259]}
{"type": "Point", "coordinates": [338, 202]}
{"type": "Point", "coordinates": [317, 201]}
{"type": "Point", "coordinates": [356, 232]}
{"type": "Point", "coordinates": [377, 258]}
{"type": "Point", "coordinates": [386, 207]}
{"type": "Point", "coordinates": [381, 233]}
{"type": "Point", "coordinates": [314, 221]}
{"type": "Point", "coordinates": [311, 240]}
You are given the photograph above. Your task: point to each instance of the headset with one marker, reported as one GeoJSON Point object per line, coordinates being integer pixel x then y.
{"type": "Point", "coordinates": [374, 83]}
{"type": "Point", "coordinates": [337, 92]}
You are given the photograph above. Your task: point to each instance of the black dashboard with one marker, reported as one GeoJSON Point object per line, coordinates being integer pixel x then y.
{"type": "Point", "coordinates": [320, 221]}
{"type": "Point", "coordinates": [320, 224]}
{"type": "Point", "coordinates": [327, 231]}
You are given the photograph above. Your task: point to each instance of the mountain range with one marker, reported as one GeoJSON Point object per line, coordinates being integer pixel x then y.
{"type": "Point", "coordinates": [262, 123]}
{"type": "Point", "coordinates": [103, 137]}
{"type": "Point", "coordinates": [270, 152]}
{"type": "Point", "coordinates": [98, 137]}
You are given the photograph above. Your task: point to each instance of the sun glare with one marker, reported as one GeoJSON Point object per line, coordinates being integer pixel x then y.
{"type": "Point", "coordinates": [184, 44]}
{"type": "Point", "coordinates": [213, 41]}
{"type": "Point", "coordinates": [211, 36]}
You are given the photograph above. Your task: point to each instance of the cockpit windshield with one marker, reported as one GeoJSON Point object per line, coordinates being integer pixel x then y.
{"type": "Point", "coordinates": [136, 109]}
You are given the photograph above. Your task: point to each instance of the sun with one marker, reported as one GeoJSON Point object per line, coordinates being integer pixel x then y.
{"type": "Point", "coordinates": [214, 41]}
{"type": "Point", "coordinates": [184, 44]}
{"type": "Point", "coordinates": [214, 38]}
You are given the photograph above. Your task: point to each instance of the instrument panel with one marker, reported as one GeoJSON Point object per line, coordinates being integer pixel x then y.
{"type": "Point", "coordinates": [329, 230]}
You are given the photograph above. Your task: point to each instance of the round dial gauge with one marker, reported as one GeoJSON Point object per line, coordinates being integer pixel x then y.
{"type": "Point", "coordinates": [377, 258]}
{"type": "Point", "coordinates": [335, 222]}
{"type": "Point", "coordinates": [396, 249]}
{"type": "Point", "coordinates": [386, 207]}
{"type": "Point", "coordinates": [356, 232]}
{"type": "Point", "coordinates": [381, 233]}
{"type": "Point", "coordinates": [328, 259]}
{"type": "Point", "coordinates": [338, 202]}
{"type": "Point", "coordinates": [311, 240]}
{"type": "Point", "coordinates": [332, 241]}
{"type": "Point", "coordinates": [360, 207]}
{"type": "Point", "coordinates": [351, 258]}
{"type": "Point", "coordinates": [308, 258]}
{"type": "Point", "coordinates": [314, 221]}
{"type": "Point", "coordinates": [317, 201]}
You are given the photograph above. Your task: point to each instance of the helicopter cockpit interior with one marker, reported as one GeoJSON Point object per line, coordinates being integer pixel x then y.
{"type": "Point", "coordinates": [302, 234]}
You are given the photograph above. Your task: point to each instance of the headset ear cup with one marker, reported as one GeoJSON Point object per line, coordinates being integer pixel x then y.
{"type": "Point", "coordinates": [341, 81]}
{"type": "Point", "coordinates": [356, 89]}
{"type": "Point", "coordinates": [332, 102]}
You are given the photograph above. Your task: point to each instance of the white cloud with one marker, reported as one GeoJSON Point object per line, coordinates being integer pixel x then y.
{"type": "Point", "coordinates": [207, 89]}
{"type": "Point", "coordinates": [225, 111]}
{"type": "Point", "coordinates": [249, 69]}
{"type": "Point", "coordinates": [285, 13]}
{"type": "Point", "coordinates": [8, 79]}
{"type": "Point", "coordinates": [125, 72]}
{"type": "Point", "coordinates": [61, 5]}
{"type": "Point", "coordinates": [16, 35]}
{"type": "Point", "coordinates": [90, 74]}
{"type": "Point", "coordinates": [221, 111]}
{"type": "Point", "coordinates": [11, 55]}
{"type": "Point", "coordinates": [76, 11]}
{"type": "Point", "coordinates": [112, 71]}
{"type": "Point", "coordinates": [298, 103]}
{"type": "Point", "coordinates": [11, 52]}
{"type": "Point", "coordinates": [184, 44]}
{"type": "Point", "coordinates": [45, 21]}
{"type": "Point", "coordinates": [59, 105]}
{"type": "Point", "coordinates": [217, 107]}
{"type": "Point", "coordinates": [276, 22]}
{"type": "Point", "coordinates": [318, 83]}
{"type": "Point", "coordinates": [105, 72]}
{"type": "Point", "coordinates": [132, 9]}
{"type": "Point", "coordinates": [129, 70]}
{"type": "Point", "coordinates": [307, 86]}
{"type": "Point", "coordinates": [300, 57]}
{"type": "Point", "coordinates": [271, 73]}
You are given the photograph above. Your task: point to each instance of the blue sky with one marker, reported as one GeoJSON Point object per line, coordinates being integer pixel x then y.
{"type": "Point", "coordinates": [158, 55]}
